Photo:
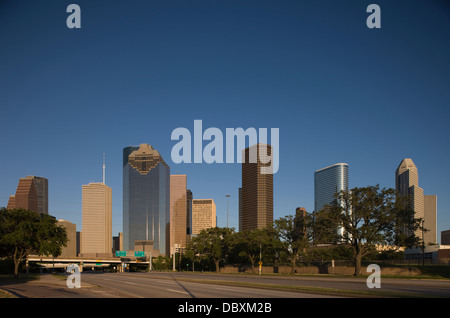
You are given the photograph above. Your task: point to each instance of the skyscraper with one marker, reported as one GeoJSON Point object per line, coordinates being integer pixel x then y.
{"type": "Point", "coordinates": [178, 212]}
{"type": "Point", "coordinates": [407, 184]}
{"type": "Point", "coordinates": [203, 215]}
{"type": "Point", "coordinates": [41, 186]}
{"type": "Point", "coordinates": [327, 182]}
{"type": "Point", "coordinates": [430, 217]}
{"type": "Point", "coordinates": [257, 188]}
{"type": "Point", "coordinates": [96, 220]}
{"type": "Point", "coordinates": [146, 206]}
{"type": "Point", "coordinates": [31, 194]}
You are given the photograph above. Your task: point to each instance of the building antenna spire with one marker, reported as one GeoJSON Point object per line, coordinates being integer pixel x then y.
{"type": "Point", "coordinates": [103, 168]}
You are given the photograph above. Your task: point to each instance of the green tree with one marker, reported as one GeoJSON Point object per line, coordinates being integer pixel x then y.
{"type": "Point", "coordinates": [252, 243]}
{"type": "Point", "coordinates": [212, 243]}
{"type": "Point", "coordinates": [294, 235]}
{"type": "Point", "coordinates": [161, 263]}
{"type": "Point", "coordinates": [24, 232]}
{"type": "Point", "coordinates": [369, 216]}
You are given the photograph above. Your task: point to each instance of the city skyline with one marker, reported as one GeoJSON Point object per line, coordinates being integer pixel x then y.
{"type": "Point", "coordinates": [134, 72]}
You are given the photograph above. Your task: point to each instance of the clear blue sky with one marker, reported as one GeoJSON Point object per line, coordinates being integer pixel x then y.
{"type": "Point", "coordinates": [136, 70]}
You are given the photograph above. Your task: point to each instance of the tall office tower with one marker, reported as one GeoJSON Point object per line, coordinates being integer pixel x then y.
{"type": "Point", "coordinates": [407, 184]}
{"type": "Point", "coordinates": [96, 238]}
{"type": "Point", "coordinates": [31, 194]}
{"type": "Point", "coordinates": [257, 188]}
{"type": "Point", "coordinates": [203, 215]}
{"type": "Point", "coordinates": [430, 219]}
{"type": "Point", "coordinates": [327, 182]}
{"type": "Point", "coordinates": [41, 186]}
{"type": "Point", "coordinates": [146, 205]}
{"type": "Point", "coordinates": [178, 213]}
{"type": "Point", "coordinates": [25, 196]}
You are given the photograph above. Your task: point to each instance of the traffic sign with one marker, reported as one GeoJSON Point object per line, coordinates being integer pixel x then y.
{"type": "Point", "coordinates": [139, 254]}
{"type": "Point", "coordinates": [121, 253]}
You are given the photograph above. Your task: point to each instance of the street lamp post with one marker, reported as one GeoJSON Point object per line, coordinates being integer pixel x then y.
{"type": "Point", "coordinates": [423, 245]}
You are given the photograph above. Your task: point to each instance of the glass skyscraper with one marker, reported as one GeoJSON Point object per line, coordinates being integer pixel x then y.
{"type": "Point", "coordinates": [146, 191]}
{"type": "Point", "coordinates": [327, 182]}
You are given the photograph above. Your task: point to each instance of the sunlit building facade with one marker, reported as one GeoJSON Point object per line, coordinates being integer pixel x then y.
{"type": "Point", "coordinates": [256, 196]}
{"type": "Point", "coordinates": [31, 194]}
{"type": "Point", "coordinates": [96, 238]}
{"type": "Point", "coordinates": [203, 215]}
{"type": "Point", "coordinates": [178, 213]}
{"type": "Point", "coordinates": [424, 206]}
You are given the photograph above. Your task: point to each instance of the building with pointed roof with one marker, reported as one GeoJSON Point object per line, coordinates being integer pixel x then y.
{"type": "Point", "coordinates": [424, 206]}
{"type": "Point", "coordinates": [146, 193]}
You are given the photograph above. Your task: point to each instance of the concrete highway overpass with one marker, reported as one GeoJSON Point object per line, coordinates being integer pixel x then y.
{"type": "Point", "coordinates": [50, 262]}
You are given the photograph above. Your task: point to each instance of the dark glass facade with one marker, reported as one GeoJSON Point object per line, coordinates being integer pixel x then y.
{"type": "Point", "coordinates": [146, 206]}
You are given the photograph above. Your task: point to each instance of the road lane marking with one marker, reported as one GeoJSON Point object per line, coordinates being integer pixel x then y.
{"type": "Point", "coordinates": [129, 283]}
{"type": "Point", "coordinates": [177, 291]}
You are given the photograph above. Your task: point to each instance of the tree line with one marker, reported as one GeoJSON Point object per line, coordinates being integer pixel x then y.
{"type": "Point", "coordinates": [367, 217]}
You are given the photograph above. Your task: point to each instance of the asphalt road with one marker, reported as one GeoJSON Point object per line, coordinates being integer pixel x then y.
{"type": "Point", "coordinates": [389, 286]}
{"type": "Point", "coordinates": [175, 285]}
{"type": "Point", "coordinates": [209, 285]}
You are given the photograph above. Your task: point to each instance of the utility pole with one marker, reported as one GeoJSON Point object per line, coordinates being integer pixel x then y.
{"type": "Point", "coordinates": [227, 196]}
{"type": "Point", "coordinates": [423, 245]}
